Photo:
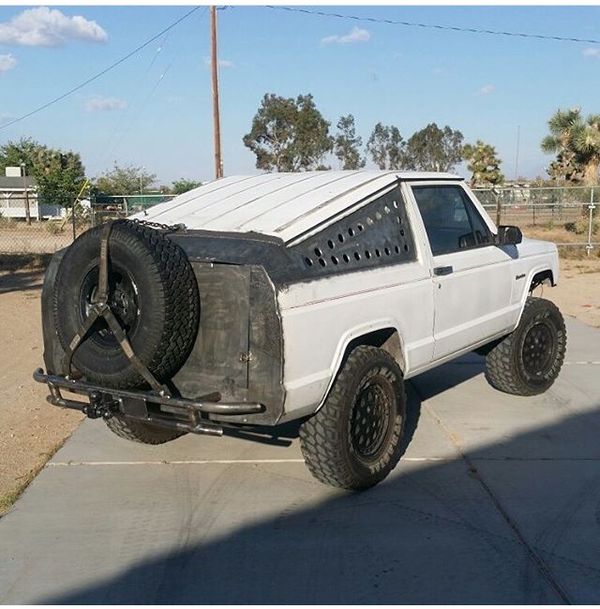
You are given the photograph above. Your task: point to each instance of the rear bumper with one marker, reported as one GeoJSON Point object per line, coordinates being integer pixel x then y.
{"type": "Point", "coordinates": [145, 406]}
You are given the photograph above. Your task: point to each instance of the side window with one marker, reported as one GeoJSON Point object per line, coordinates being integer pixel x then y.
{"type": "Point", "coordinates": [374, 235]}
{"type": "Point", "coordinates": [451, 220]}
{"type": "Point", "coordinates": [483, 235]}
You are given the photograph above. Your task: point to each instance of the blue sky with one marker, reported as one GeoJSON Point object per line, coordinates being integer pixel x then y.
{"type": "Point", "coordinates": [155, 109]}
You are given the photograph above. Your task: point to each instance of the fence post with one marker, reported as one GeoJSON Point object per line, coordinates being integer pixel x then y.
{"type": "Point", "coordinates": [93, 209]}
{"type": "Point", "coordinates": [589, 247]}
{"type": "Point", "coordinates": [498, 207]}
{"type": "Point", "coordinates": [73, 220]}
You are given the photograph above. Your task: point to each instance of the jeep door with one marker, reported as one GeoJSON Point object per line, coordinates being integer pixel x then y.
{"type": "Point", "coordinates": [472, 276]}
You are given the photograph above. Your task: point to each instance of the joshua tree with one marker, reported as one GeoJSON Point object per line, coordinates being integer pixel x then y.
{"type": "Point", "coordinates": [576, 143]}
{"type": "Point", "coordinates": [483, 163]}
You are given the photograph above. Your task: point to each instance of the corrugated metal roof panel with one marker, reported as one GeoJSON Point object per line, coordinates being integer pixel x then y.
{"type": "Point", "coordinates": [280, 204]}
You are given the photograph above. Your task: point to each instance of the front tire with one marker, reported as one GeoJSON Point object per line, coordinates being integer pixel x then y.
{"type": "Point", "coordinates": [354, 440]}
{"type": "Point", "coordinates": [528, 361]}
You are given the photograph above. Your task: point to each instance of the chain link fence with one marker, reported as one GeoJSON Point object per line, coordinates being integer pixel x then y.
{"type": "Point", "coordinates": [106, 207]}
{"type": "Point", "coordinates": [48, 235]}
{"type": "Point", "coordinates": [572, 209]}
{"type": "Point", "coordinates": [571, 214]}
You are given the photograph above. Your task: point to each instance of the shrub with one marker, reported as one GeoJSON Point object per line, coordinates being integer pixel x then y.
{"type": "Point", "coordinates": [582, 225]}
{"type": "Point", "coordinates": [6, 222]}
{"type": "Point", "coordinates": [54, 227]}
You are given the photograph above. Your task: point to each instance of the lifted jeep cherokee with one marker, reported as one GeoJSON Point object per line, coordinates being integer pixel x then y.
{"type": "Point", "coordinates": [313, 296]}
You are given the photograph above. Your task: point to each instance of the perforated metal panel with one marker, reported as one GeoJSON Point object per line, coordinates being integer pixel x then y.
{"type": "Point", "coordinates": [377, 234]}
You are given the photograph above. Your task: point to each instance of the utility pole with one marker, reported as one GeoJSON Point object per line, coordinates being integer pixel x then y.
{"type": "Point", "coordinates": [517, 154]}
{"type": "Point", "coordinates": [26, 193]}
{"type": "Point", "coordinates": [214, 63]}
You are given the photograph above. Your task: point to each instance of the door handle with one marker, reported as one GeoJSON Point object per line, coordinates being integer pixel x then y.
{"type": "Point", "coordinates": [443, 270]}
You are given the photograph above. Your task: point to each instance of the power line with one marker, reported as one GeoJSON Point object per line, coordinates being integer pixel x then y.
{"type": "Point", "coordinates": [102, 73]}
{"type": "Point", "coordinates": [433, 25]}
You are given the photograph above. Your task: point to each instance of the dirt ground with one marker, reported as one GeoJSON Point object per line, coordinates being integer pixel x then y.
{"type": "Point", "coordinates": [578, 292]}
{"type": "Point", "coordinates": [31, 430]}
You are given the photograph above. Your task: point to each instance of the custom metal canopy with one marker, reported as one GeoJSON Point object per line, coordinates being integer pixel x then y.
{"type": "Point", "coordinates": [283, 205]}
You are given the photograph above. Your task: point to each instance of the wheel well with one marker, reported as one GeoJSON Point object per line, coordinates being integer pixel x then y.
{"type": "Point", "coordinates": [387, 339]}
{"type": "Point", "coordinates": [543, 277]}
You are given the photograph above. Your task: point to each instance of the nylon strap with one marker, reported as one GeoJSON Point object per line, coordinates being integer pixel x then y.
{"type": "Point", "coordinates": [102, 295]}
{"type": "Point", "coordinates": [121, 337]}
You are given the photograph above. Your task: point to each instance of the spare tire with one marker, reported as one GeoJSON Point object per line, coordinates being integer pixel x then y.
{"type": "Point", "coordinates": [152, 292]}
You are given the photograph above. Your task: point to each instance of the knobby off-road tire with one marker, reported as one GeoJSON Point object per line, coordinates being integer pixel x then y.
{"type": "Point", "coordinates": [152, 292]}
{"type": "Point", "coordinates": [528, 360]}
{"type": "Point", "coordinates": [137, 431]}
{"type": "Point", "coordinates": [354, 440]}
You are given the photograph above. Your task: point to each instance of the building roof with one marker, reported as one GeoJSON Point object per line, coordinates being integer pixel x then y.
{"type": "Point", "coordinates": [284, 205]}
{"type": "Point", "coordinates": [10, 183]}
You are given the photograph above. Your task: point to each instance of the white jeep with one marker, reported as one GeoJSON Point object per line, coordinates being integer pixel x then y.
{"type": "Point", "coordinates": [312, 296]}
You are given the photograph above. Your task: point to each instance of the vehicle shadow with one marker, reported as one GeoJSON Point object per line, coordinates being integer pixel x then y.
{"type": "Point", "coordinates": [515, 522]}
{"type": "Point", "coordinates": [424, 387]}
{"type": "Point", "coordinates": [21, 281]}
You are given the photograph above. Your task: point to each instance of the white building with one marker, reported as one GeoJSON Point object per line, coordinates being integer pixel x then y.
{"type": "Point", "coordinates": [15, 190]}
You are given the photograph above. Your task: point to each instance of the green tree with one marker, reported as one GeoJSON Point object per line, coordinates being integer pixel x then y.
{"type": "Point", "coordinates": [386, 147]}
{"type": "Point", "coordinates": [483, 163]}
{"type": "Point", "coordinates": [347, 144]}
{"type": "Point", "coordinates": [126, 180]}
{"type": "Point", "coordinates": [60, 175]}
{"type": "Point", "coordinates": [434, 149]}
{"type": "Point", "coordinates": [288, 134]}
{"type": "Point", "coordinates": [180, 186]}
{"type": "Point", "coordinates": [576, 142]}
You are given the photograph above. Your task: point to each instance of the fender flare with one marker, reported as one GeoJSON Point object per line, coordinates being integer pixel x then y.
{"type": "Point", "coordinates": [382, 333]}
{"type": "Point", "coordinates": [543, 268]}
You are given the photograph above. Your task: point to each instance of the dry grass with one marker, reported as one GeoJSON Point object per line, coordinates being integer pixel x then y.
{"type": "Point", "coordinates": [8, 498]}
{"type": "Point", "coordinates": [45, 237]}
{"type": "Point", "coordinates": [558, 234]}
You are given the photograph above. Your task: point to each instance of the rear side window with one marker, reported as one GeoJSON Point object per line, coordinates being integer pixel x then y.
{"type": "Point", "coordinates": [375, 235]}
{"type": "Point", "coordinates": [451, 220]}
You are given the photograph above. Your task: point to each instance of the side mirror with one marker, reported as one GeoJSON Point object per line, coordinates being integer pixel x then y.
{"type": "Point", "coordinates": [509, 235]}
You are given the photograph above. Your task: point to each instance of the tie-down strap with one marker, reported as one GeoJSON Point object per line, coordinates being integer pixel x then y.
{"type": "Point", "coordinates": [101, 308]}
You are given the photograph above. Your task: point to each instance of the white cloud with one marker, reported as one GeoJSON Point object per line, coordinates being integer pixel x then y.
{"type": "Point", "coordinates": [592, 52]}
{"type": "Point", "coordinates": [354, 35]}
{"type": "Point", "coordinates": [7, 62]}
{"type": "Point", "coordinates": [105, 104]}
{"type": "Point", "coordinates": [44, 27]}
{"type": "Point", "coordinates": [223, 63]}
{"type": "Point", "coordinates": [486, 90]}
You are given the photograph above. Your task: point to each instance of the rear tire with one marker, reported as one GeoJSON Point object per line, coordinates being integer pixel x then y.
{"type": "Point", "coordinates": [144, 433]}
{"type": "Point", "coordinates": [354, 440]}
{"type": "Point", "coordinates": [528, 361]}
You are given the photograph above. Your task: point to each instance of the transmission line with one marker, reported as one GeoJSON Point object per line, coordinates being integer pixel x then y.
{"type": "Point", "coordinates": [102, 73]}
{"type": "Point", "coordinates": [432, 25]}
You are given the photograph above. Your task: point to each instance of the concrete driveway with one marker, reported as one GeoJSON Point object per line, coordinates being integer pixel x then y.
{"type": "Point", "coordinates": [497, 500]}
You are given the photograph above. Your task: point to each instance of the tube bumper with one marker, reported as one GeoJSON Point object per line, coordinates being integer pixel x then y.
{"type": "Point", "coordinates": [166, 411]}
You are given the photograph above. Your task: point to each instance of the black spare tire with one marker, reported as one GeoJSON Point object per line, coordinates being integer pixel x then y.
{"type": "Point", "coordinates": [152, 292]}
